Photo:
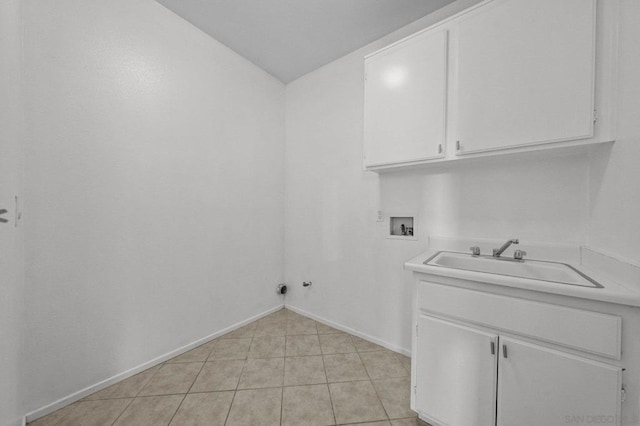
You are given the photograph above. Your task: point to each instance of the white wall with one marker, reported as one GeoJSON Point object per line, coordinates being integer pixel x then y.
{"type": "Point", "coordinates": [154, 175]}
{"type": "Point", "coordinates": [615, 176]}
{"type": "Point", "coordinates": [332, 236]}
{"type": "Point", "coordinates": [11, 237]}
{"type": "Point", "coordinates": [155, 201]}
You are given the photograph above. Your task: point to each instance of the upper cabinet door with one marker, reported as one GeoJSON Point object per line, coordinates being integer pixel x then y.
{"type": "Point", "coordinates": [542, 386]}
{"type": "Point", "coordinates": [524, 74]}
{"type": "Point", "coordinates": [406, 101]}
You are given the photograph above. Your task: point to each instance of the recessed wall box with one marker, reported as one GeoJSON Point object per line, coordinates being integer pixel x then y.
{"type": "Point", "coordinates": [402, 226]}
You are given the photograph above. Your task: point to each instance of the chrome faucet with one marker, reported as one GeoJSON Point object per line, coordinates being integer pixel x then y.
{"type": "Point", "coordinates": [499, 251]}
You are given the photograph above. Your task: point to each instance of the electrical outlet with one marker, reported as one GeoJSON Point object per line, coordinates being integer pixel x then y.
{"type": "Point", "coordinates": [380, 216]}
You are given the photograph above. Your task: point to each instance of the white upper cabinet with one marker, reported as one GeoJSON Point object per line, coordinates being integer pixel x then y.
{"type": "Point", "coordinates": [503, 76]}
{"type": "Point", "coordinates": [406, 100]}
{"type": "Point", "coordinates": [524, 74]}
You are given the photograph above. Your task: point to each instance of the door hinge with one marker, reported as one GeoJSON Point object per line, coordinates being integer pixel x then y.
{"type": "Point", "coordinates": [595, 116]}
{"type": "Point", "coordinates": [623, 394]}
{"type": "Point", "coordinates": [416, 329]}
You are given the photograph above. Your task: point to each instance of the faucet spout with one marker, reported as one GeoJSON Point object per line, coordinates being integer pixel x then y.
{"type": "Point", "coordinates": [497, 252]}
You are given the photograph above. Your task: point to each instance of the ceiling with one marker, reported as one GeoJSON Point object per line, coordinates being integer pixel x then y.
{"type": "Point", "coordinates": [289, 38]}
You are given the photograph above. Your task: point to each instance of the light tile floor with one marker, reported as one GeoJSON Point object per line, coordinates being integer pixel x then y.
{"type": "Point", "coordinates": [284, 369]}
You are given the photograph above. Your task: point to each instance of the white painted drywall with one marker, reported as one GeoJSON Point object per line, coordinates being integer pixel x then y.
{"type": "Point", "coordinates": [332, 237]}
{"type": "Point", "coordinates": [12, 294]}
{"type": "Point", "coordinates": [154, 175]}
{"type": "Point", "coordinates": [615, 172]}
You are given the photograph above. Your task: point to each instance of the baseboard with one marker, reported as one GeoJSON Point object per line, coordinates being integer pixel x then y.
{"type": "Point", "coordinates": [350, 330]}
{"type": "Point", "coordinates": [76, 396]}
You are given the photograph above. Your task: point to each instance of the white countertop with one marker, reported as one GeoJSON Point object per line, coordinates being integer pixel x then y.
{"type": "Point", "coordinates": [613, 291]}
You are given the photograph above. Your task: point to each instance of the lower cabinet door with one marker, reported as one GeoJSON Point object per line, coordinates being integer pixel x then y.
{"type": "Point", "coordinates": [455, 373]}
{"type": "Point", "coordinates": [541, 386]}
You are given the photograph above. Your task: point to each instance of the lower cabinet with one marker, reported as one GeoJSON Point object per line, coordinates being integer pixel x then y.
{"type": "Point", "coordinates": [542, 386]}
{"type": "Point", "coordinates": [466, 376]}
{"type": "Point", "coordinates": [456, 373]}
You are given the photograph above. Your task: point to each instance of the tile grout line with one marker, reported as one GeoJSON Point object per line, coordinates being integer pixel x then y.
{"type": "Point", "coordinates": [59, 422]}
{"type": "Point", "coordinates": [178, 409]}
{"type": "Point", "coordinates": [398, 355]}
{"type": "Point", "coordinates": [226, 419]}
{"type": "Point", "coordinates": [137, 393]}
{"type": "Point", "coordinates": [374, 388]}
{"type": "Point", "coordinates": [148, 380]}
{"type": "Point", "coordinates": [243, 389]}
{"type": "Point", "coordinates": [283, 367]}
{"type": "Point", "coordinates": [266, 387]}
{"type": "Point", "coordinates": [333, 410]}
{"type": "Point", "coordinates": [386, 378]}
{"type": "Point", "coordinates": [235, 391]}
{"type": "Point", "coordinates": [281, 399]}
{"type": "Point", "coordinates": [192, 383]}
{"type": "Point", "coordinates": [122, 412]}
{"type": "Point", "coordinates": [102, 399]}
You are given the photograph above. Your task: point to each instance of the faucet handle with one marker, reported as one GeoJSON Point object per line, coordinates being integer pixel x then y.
{"type": "Point", "coordinates": [519, 254]}
{"type": "Point", "coordinates": [475, 250]}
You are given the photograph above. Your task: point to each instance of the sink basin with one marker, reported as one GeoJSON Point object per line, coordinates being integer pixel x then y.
{"type": "Point", "coordinates": [540, 270]}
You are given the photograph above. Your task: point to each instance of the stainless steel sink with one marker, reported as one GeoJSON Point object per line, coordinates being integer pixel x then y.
{"type": "Point", "coordinates": [540, 270]}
